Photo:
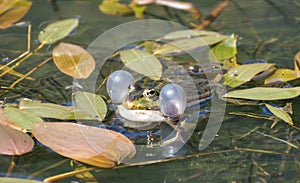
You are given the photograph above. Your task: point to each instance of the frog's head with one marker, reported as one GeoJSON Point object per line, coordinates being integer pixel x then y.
{"type": "Point", "coordinates": [141, 98]}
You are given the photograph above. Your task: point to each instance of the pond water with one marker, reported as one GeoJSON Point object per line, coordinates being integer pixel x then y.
{"type": "Point", "coordinates": [245, 149]}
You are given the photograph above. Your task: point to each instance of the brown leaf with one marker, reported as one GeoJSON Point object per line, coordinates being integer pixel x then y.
{"type": "Point", "coordinates": [12, 11]}
{"type": "Point", "coordinates": [297, 61]}
{"type": "Point", "coordinates": [14, 142]}
{"type": "Point", "coordinates": [91, 145]}
{"type": "Point", "coordinates": [73, 60]}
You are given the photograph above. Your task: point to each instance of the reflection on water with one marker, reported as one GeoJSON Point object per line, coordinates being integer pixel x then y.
{"type": "Point", "coordinates": [267, 29]}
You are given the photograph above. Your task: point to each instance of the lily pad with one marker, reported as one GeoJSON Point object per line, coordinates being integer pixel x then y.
{"type": "Point", "coordinates": [22, 118]}
{"type": "Point", "coordinates": [264, 93]}
{"type": "Point", "coordinates": [283, 115]}
{"type": "Point", "coordinates": [142, 62]}
{"type": "Point", "coordinates": [95, 146]}
{"type": "Point", "coordinates": [14, 142]}
{"type": "Point", "coordinates": [244, 73]}
{"type": "Point", "coordinates": [57, 30]}
{"type": "Point", "coordinates": [73, 60]}
{"type": "Point", "coordinates": [12, 11]}
{"type": "Point", "coordinates": [92, 104]}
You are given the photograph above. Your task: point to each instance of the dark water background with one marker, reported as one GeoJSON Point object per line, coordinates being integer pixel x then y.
{"type": "Point", "coordinates": [269, 29]}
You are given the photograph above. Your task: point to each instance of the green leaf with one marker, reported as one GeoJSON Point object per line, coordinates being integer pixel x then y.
{"type": "Point", "coordinates": [138, 10]}
{"type": "Point", "coordinates": [185, 34]}
{"type": "Point", "coordinates": [57, 30]}
{"type": "Point", "coordinates": [22, 118]}
{"type": "Point", "coordinates": [48, 110]}
{"type": "Point", "coordinates": [142, 62]}
{"type": "Point", "coordinates": [91, 145]}
{"type": "Point", "coordinates": [17, 180]}
{"type": "Point", "coordinates": [92, 104]}
{"type": "Point", "coordinates": [226, 49]}
{"type": "Point", "coordinates": [264, 93]}
{"type": "Point", "coordinates": [14, 142]}
{"type": "Point", "coordinates": [280, 114]}
{"type": "Point", "coordinates": [185, 45]}
{"type": "Point", "coordinates": [244, 73]}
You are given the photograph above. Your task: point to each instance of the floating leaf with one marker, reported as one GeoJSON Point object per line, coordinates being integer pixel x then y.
{"type": "Point", "coordinates": [91, 145]}
{"type": "Point", "coordinates": [282, 75]}
{"type": "Point", "coordinates": [265, 93]}
{"type": "Point", "coordinates": [12, 11]}
{"type": "Point", "coordinates": [22, 118]}
{"type": "Point", "coordinates": [297, 62]}
{"type": "Point", "coordinates": [14, 142]}
{"type": "Point", "coordinates": [73, 60]}
{"type": "Point", "coordinates": [142, 62]}
{"type": "Point", "coordinates": [16, 180]}
{"type": "Point", "coordinates": [280, 114]}
{"type": "Point", "coordinates": [185, 34]}
{"type": "Point", "coordinates": [6, 122]}
{"type": "Point", "coordinates": [48, 110]}
{"type": "Point", "coordinates": [57, 30]}
{"type": "Point", "coordinates": [226, 49]}
{"type": "Point", "coordinates": [185, 45]}
{"type": "Point", "coordinates": [244, 73]}
{"type": "Point", "coordinates": [92, 104]}
{"type": "Point", "coordinates": [113, 7]}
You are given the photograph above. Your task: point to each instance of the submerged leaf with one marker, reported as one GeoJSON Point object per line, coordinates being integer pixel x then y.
{"type": "Point", "coordinates": [12, 11]}
{"type": "Point", "coordinates": [283, 115]}
{"type": "Point", "coordinates": [264, 93]}
{"type": "Point", "coordinates": [282, 75]}
{"type": "Point", "coordinates": [57, 30]}
{"type": "Point", "coordinates": [91, 145]}
{"type": "Point", "coordinates": [22, 118]}
{"type": "Point", "coordinates": [186, 45]}
{"type": "Point", "coordinates": [244, 73]}
{"type": "Point", "coordinates": [14, 142]}
{"type": "Point", "coordinates": [73, 60]}
{"type": "Point", "coordinates": [113, 7]}
{"type": "Point", "coordinates": [142, 62]}
{"type": "Point", "coordinates": [92, 104]}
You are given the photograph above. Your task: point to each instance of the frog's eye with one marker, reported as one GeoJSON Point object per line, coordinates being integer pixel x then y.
{"type": "Point", "coordinates": [172, 100]}
{"type": "Point", "coordinates": [151, 94]}
{"type": "Point", "coordinates": [194, 69]}
{"type": "Point", "coordinates": [117, 85]}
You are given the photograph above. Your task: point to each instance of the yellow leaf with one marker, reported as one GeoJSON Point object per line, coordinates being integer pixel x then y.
{"type": "Point", "coordinates": [244, 73]}
{"type": "Point", "coordinates": [282, 75]}
{"type": "Point", "coordinates": [12, 11]}
{"type": "Point", "coordinates": [297, 62]}
{"type": "Point", "coordinates": [73, 60]}
{"type": "Point", "coordinates": [113, 7]}
{"type": "Point", "coordinates": [280, 114]}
